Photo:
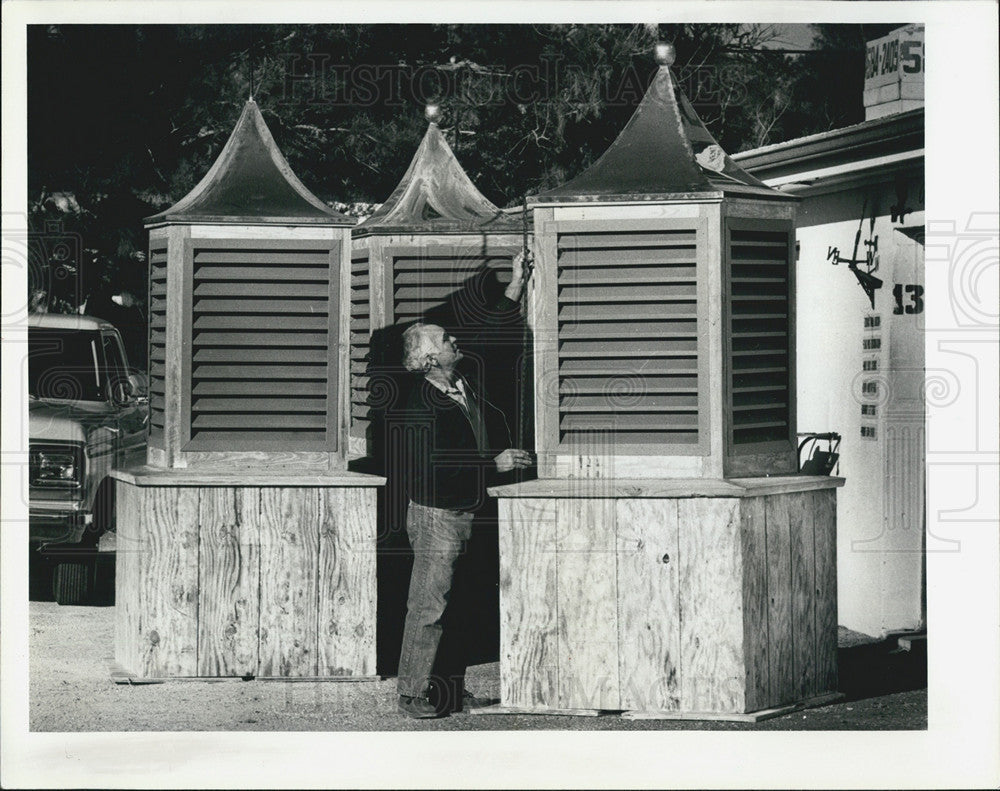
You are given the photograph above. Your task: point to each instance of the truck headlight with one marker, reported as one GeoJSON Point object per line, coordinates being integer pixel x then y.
{"type": "Point", "coordinates": [56, 467]}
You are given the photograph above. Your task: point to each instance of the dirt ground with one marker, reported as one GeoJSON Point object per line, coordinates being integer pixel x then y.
{"type": "Point", "coordinates": [71, 690]}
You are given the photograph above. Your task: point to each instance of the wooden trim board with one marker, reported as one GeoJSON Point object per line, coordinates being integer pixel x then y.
{"type": "Point", "coordinates": [753, 716]}
{"type": "Point", "coordinates": [498, 709]}
{"type": "Point", "coordinates": [201, 477]}
{"type": "Point", "coordinates": [122, 675]}
{"type": "Point", "coordinates": [665, 487]}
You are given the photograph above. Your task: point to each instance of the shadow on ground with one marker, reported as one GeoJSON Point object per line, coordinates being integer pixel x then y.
{"type": "Point", "coordinates": [882, 668]}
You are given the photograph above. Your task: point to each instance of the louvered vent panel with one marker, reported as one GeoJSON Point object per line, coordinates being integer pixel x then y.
{"type": "Point", "coordinates": [758, 329]}
{"type": "Point", "coordinates": [450, 284]}
{"type": "Point", "coordinates": [262, 341]}
{"type": "Point", "coordinates": [628, 337]}
{"type": "Point", "coordinates": [360, 335]}
{"type": "Point", "coordinates": [157, 340]}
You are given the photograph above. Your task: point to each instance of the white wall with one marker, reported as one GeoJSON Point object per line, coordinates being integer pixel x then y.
{"type": "Point", "coordinates": [880, 518]}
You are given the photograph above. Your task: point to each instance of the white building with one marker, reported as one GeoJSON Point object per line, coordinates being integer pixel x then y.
{"type": "Point", "coordinates": [861, 357]}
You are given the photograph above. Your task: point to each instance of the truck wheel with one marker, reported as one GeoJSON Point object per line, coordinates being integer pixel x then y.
{"type": "Point", "coordinates": [71, 582]}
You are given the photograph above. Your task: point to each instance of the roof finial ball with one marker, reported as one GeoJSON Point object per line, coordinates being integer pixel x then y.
{"type": "Point", "coordinates": [665, 53]}
{"type": "Point", "coordinates": [432, 113]}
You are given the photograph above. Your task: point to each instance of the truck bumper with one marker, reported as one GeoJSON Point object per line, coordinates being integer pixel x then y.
{"type": "Point", "coordinates": [57, 523]}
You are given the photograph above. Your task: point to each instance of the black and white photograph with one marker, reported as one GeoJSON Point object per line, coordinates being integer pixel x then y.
{"type": "Point", "coordinates": [616, 379]}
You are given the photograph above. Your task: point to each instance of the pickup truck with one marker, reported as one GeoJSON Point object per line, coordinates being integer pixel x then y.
{"type": "Point", "coordinates": [88, 413]}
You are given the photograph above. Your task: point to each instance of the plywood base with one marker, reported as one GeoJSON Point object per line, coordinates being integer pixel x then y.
{"type": "Point", "coordinates": [245, 581]}
{"type": "Point", "coordinates": [753, 716]}
{"type": "Point", "coordinates": [669, 601]}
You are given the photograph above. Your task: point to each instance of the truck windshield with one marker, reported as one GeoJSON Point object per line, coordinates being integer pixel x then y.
{"type": "Point", "coordinates": [65, 364]}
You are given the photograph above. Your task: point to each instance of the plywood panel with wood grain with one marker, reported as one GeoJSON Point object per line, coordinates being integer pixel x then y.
{"type": "Point", "coordinates": [346, 594]}
{"type": "Point", "coordinates": [128, 568]}
{"type": "Point", "coordinates": [168, 639]}
{"type": "Point", "coordinates": [259, 462]}
{"type": "Point", "coordinates": [779, 601]}
{"type": "Point", "coordinates": [648, 604]}
{"type": "Point", "coordinates": [744, 624]}
{"type": "Point", "coordinates": [587, 604]}
{"type": "Point", "coordinates": [529, 659]}
{"type": "Point", "coordinates": [288, 581]}
{"type": "Point", "coordinates": [824, 507]}
{"type": "Point", "coordinates": [229, 572]}
{"type": "Point", "coordinates": [710, 574]}
{"type": "Point", "coordinates": [755, 606]}
{"type": "Point", "coordinates": [803, 568]}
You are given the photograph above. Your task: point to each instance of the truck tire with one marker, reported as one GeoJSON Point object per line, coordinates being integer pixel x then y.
{"type": "Point", "coordinates": [71, 582]}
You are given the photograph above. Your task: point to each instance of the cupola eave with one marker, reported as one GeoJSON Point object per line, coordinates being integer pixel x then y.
{"type": "Point", "coordinates": [664, 154]}
{"type": "Point", "coordinates": [436, 195]}
{"type": "Point", "coordinates": [250, 183]}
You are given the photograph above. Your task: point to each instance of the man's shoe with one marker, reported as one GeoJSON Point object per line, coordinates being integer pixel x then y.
{"type": "Point", "coordinates": [470, 702]}
{"type": "Point", "coordinates": [418, 708]}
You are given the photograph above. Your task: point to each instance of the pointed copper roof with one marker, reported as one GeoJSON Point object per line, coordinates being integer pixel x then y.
{"type": "Point", "coordinates": [437, 196]}
{"type": "Point", "coordinates": [251, 182]}
{"type": "Point", "coordinates": [664, 152]}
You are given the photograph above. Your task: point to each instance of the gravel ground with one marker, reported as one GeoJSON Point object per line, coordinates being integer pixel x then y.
{"type": "Point", "coordinates": [71, 690]}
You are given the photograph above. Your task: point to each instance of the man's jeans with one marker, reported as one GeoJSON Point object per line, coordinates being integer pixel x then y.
{"type": "Point", "coordinates": [433, 645]}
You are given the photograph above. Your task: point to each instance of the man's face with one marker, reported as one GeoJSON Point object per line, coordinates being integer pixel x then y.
{"type": "Point", "coordinates": [441, 345]}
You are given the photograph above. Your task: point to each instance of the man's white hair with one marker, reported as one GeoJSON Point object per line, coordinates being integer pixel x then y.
{"type": "Point", "coordinates": [415, 348]}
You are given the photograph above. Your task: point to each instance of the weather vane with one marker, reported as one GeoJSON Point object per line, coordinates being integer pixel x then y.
{"type": "Point", "coordinates": [868, 281]}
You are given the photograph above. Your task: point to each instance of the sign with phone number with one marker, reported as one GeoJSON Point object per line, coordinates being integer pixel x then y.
{"type": "Point", "coordinates": [898, 57]}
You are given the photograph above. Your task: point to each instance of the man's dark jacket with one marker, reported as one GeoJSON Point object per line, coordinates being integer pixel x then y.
{"type": "Point", "coordinates": [438, 456]}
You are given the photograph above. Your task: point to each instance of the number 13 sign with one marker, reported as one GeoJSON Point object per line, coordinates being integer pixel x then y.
{"type": "Point", "coordinates": [915, 294]}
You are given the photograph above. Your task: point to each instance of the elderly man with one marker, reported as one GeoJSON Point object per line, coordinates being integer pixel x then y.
{"type": "Point", "coordinates": [455, 433]}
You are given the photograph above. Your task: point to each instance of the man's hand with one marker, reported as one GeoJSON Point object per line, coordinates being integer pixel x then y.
{"type": "Point", "coordinates": [521, 266]}
{"type": "Point", "coordinates": [520, 272]}
{"type": "Point", "coordinates": [513, 458]}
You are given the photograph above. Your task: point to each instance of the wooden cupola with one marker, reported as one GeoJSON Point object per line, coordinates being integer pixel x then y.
{"type": "Point", "coordinates": [246, 362]}
{"type": "Point", "coordinates": [662, 308]}
{"type": "Point", "coordinates": [436, 251]}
